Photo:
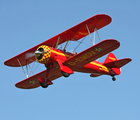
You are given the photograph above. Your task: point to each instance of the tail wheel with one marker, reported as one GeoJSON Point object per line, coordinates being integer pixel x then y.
{"type": "Point", "coordinates": [43, 82]}
{"type": "Point", "coordinates": [65, 74]}
{"type": "Point", "coordinates": [113, 78]}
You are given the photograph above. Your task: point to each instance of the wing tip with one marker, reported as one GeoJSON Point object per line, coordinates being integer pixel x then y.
{"type": "Point", "coordinates": [18, 85]}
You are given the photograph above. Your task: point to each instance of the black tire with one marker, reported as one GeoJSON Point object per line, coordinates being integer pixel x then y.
{"type": "Point", "coordinates": [44, 85]}
{"type": "Point", "coordinates": [65, 74]}
{"type": "Point", "coordinates": [113, 78]}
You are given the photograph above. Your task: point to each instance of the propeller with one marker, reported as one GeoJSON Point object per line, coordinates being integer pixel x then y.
{"type": "Point", "coordinates": [29, 55]}
{"type": "Point", "coordinates": [37, 53]}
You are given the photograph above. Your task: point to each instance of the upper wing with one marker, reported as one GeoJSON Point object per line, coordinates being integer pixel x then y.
{"type": "Point", "coordinates": [32, 82]}
{"type": "Point", "coordinates": [92, 53]}
{"type": "Point", "coordinates": [75, 33]}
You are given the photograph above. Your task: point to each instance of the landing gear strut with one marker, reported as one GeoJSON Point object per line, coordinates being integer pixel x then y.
{"type": "Point", "coordinates": [113, 78]}
{"type": "Point", "coordinates": [44, 81]}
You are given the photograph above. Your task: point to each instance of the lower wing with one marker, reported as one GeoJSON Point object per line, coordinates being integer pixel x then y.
{"type": "Point", "coordinates": [32, 82]}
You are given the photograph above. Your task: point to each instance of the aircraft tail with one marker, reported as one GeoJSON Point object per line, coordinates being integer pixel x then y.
{"type": "Point", "coordinates": [112, 62]}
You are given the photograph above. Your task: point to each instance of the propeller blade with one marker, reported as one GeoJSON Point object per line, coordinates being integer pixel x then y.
{"type": "Point", "coordinates": [37, 53]}
{"type": "Point", "coordinates": [29, 55]}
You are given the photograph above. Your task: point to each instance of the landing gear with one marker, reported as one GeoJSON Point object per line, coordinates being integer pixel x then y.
{"type": "Point", "coordinates": [44, 85]}
{"type": "Point", "coordinates": [65, 74]}
{"type": "Point", "coordinates": [43, 82]}
{"type": "Point", "coordinates": [113, 78]}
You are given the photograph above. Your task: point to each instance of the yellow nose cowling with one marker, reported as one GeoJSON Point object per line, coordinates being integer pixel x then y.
{"type": "Point", "coordinates": [45, 56]}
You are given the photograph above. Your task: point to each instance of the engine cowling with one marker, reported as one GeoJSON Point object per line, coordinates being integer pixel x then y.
{"type": "Point", "coordinates": [43, 54]}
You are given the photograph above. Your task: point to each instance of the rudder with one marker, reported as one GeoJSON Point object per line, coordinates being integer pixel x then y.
{"type": "Point", "coordinates": [110, 58]}
{"type": "Point", "coordinates": [110, 62]}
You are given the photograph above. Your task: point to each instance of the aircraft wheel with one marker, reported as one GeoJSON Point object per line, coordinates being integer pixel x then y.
{"type": "Point", "coordinates": [113, 78]}
{"type": "Point", "coordinates": [65, 74]}
{"type": "Point", "coordinates": [44, 85]}
{"type": "Point", "coordinates": [43, 82]}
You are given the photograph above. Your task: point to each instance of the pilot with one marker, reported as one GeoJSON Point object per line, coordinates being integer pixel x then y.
{"type": "Point", "coordinates": [75, 53]}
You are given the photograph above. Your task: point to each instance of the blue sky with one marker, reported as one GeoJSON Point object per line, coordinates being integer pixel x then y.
{"type": "Point", "coordinates": [25, 24]}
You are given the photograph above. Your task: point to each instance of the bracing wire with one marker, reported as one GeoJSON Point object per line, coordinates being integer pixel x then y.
{"type": "Point", "coordinates": [79, 43]}
{"type": "Point", "coordinates": [36, 67]}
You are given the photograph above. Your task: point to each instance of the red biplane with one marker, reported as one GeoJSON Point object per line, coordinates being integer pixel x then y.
{"type": "Point", "coordinates": [61, 63]}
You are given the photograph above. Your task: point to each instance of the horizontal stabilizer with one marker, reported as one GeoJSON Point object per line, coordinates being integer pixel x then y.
{"type": "Point", "coordinates": [95, 74]}
{"type": "Point", "coordinates": [118, 63]}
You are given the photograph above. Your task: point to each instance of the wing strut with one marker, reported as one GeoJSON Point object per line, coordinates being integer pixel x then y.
{"type": "Point", "coordinates": [26, 73]}
{"type": "Point", "coordinates": [65, 45]}
{"type": "Point", "coordinates": [27, 70]}
{"type": "Point", "coordinates": [57, 42]}
{"type": "Point", "coordinates": [93, 42]}
{"type": "Point", "coordinates": [22, 68]}
{"type": "Point", "coordinates": [95, 30]}
{"type": "Point", "coordinates": [97, 33]}
{"type": "Point", "coordinates": [89, 34]}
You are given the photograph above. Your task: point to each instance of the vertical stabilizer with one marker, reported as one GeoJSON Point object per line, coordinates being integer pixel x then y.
{"type": "Point", "coordinates": [110, 58]}
{"type": "Point", "coordinates": [110, 62]}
